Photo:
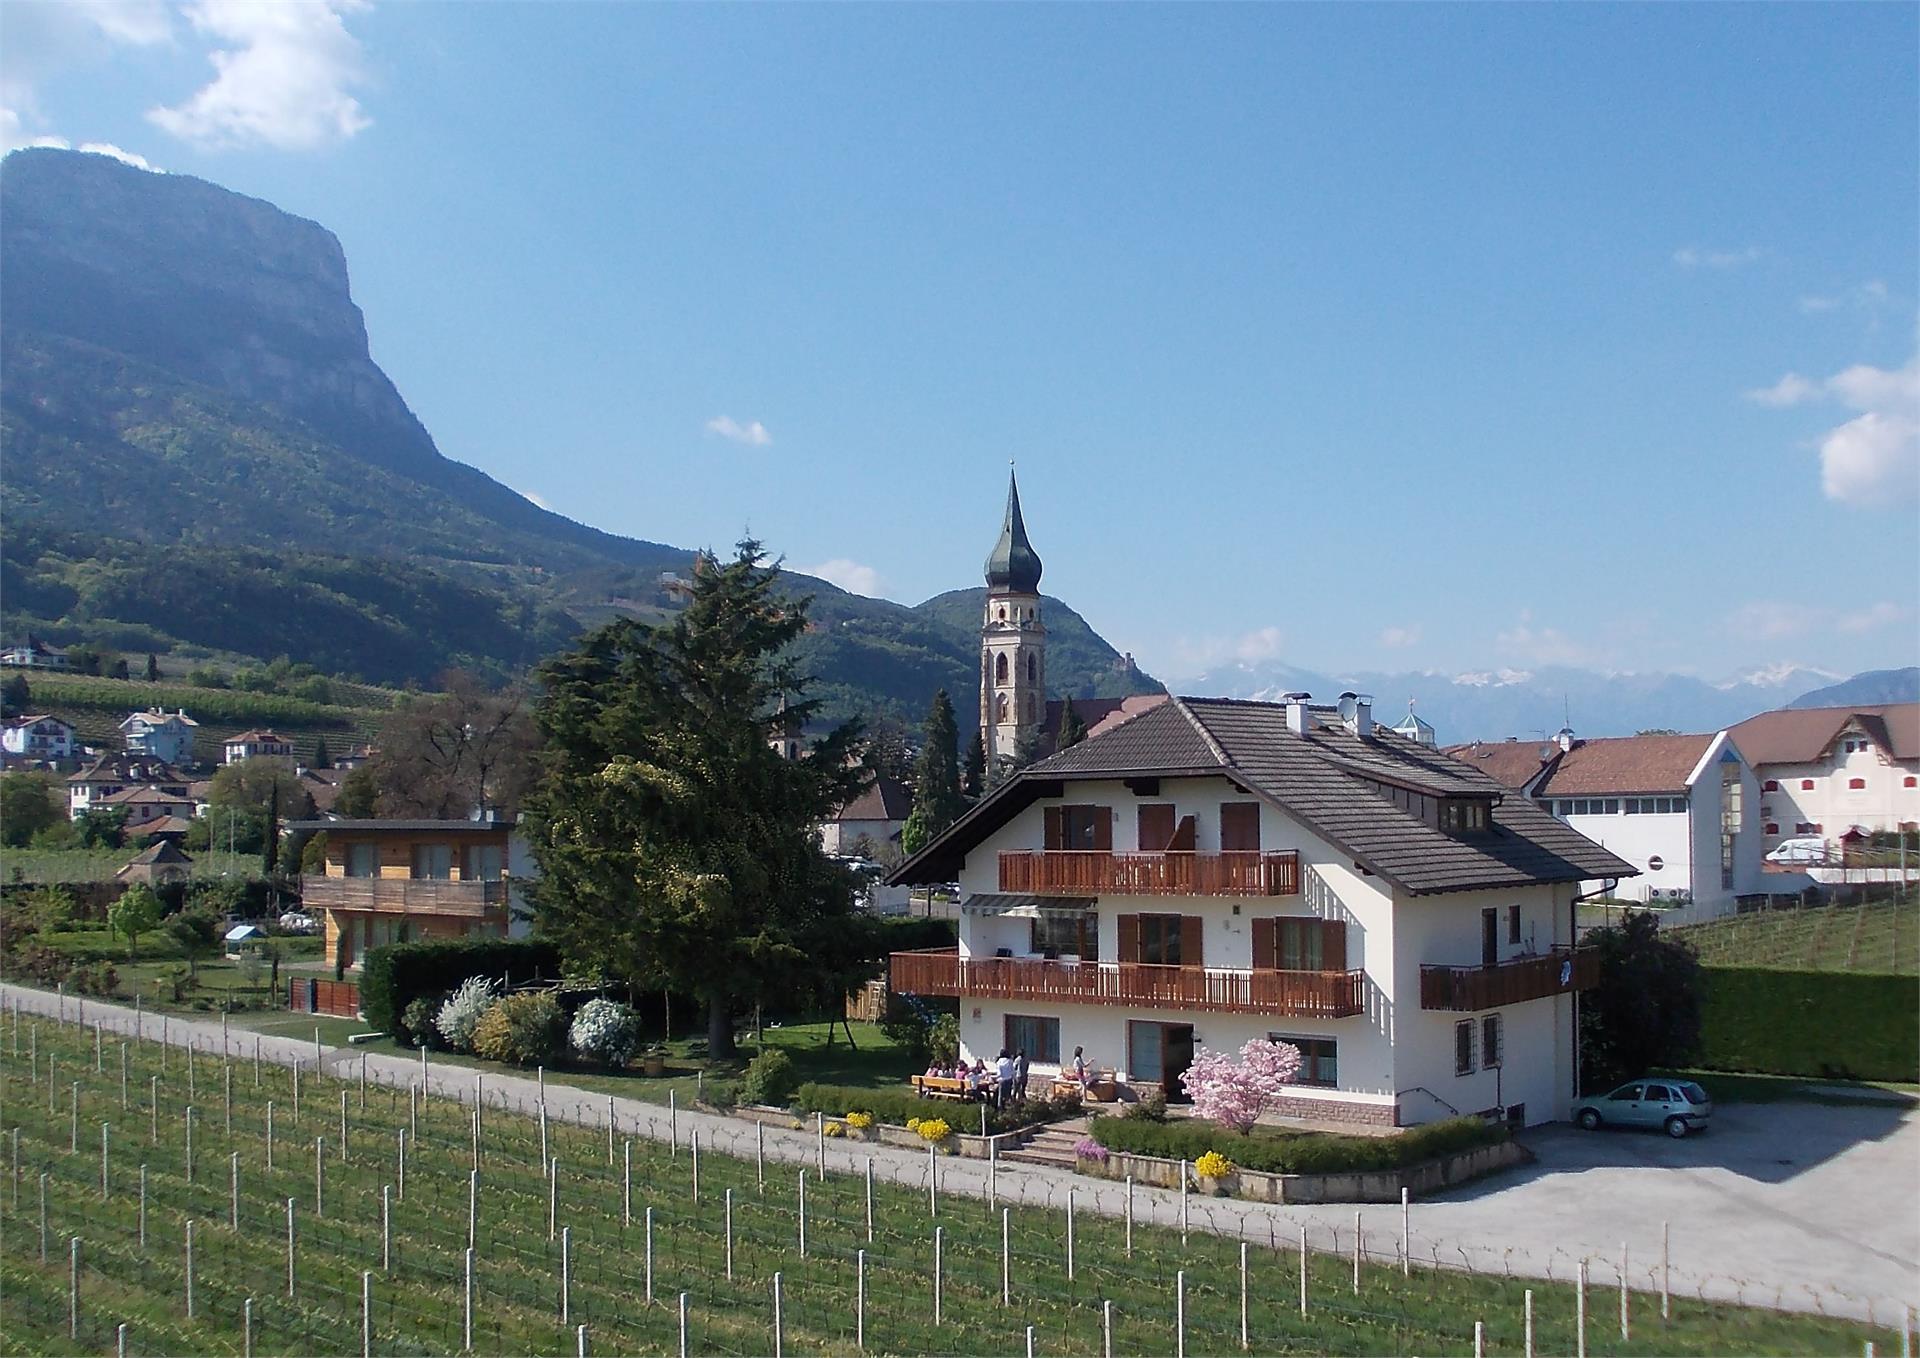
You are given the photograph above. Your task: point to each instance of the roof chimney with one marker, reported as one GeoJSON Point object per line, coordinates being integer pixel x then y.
{"type": "Point", "coordinates": [1296, 705]}
{"type": "Point", "coordinates": [1356, 711]}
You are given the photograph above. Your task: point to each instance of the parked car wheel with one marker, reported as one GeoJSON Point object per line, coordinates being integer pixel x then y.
{"type": "Point", "coordinates": [1677, 1128]}
{"type": "Point", "coordinates": [1590, 1119]}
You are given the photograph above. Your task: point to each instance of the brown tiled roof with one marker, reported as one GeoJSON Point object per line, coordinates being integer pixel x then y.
{"type": "Point", "coordinates": [160, 851]}
{"type": "Point", "coordinates": [258, 738]}
{"type": "Point", "coordinates": [1510, 763]}
{"type": "Point", "coordinates": [128, 768]}
{"type": "Point", "coordinates": [166, 825]}
{"type": "Point", "coordinates": [1625, 764]}
{"type": "Point", "coordinates": [1802, 735]}
{"type": "Point", "coordinates": [1320, 778]}
{"type": "Point", "coordinates": [129, 796]}
{"type": "Point", "coordinates": [1098, 714]}
{"type": "Point", "coordinates": [884, 799]}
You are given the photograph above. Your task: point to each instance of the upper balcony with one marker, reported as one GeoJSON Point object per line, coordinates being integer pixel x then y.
{"type": "Point", "coordinates": [403, 895]}
{"type": "Point", "coordinates": [1560, 972]}
{"type": "Point", "coordinates": [1099, 872]}
{"type": "Point", "coordinates": [1300, 994]}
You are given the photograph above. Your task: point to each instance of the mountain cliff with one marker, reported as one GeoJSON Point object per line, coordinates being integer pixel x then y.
{"type": "Point", "coordinates": [199, 452]}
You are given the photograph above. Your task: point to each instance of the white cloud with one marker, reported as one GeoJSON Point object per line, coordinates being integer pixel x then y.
{"type": "Point", "coordinates": [281, 79]}
{"type": "Point", "coordinates": [1400, 637]}
{"type": "Point", "coordinates": [1873, 617]}
{"type": "Point", "coordinates": [1262, 643]}
{"type": "Point", "coordinates": [45, 39]}
{"type": "Point", "coordinates": [534, 497]}
{"type": "Point", "coordinates": [1694, 257]}
{"type": "Point", "coordinates": [753, 433]}
{"type": "Point", "coordinates": [1541, 645]}
{"type": "Point", "coordinates": [1872, 460]}
{"type": "Point", "coordinates": [138, 23]}
{"type": "Point", "coordinates": [849, 575]}
{"type": "Point", "coordinates": [1869, 296]}
{"type": "Point", "coordinates": [1773, 620]}
{"type": "Point", "coordinates": [10, 141]}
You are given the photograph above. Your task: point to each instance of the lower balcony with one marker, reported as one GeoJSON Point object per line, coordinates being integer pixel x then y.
{"type": "Point", "coordinates": [403, 895]}
{"type": "Point", "coordinates": [1300, 994]}
{"type": "Point", "coordinates": [1466, 989]}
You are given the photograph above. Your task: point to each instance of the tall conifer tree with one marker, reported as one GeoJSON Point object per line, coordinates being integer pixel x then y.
{"type": "Point", "coordinates": [937, 799]}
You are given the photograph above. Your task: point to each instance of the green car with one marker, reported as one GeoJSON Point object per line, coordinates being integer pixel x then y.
{"type": "Point", "coordinates": [1675, 1106]}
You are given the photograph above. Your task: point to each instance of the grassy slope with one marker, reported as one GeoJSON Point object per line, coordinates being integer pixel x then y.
{"type": "Point", "coordinates": [417, 1304]}
{"type": "Point", "coordinates": [1881, 938]}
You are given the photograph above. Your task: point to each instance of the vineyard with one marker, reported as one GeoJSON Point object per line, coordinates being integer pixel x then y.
{"type": "Point", "coordinates": [214, 1205]}
{"type": "Point", "coordinates": [1882, 938]}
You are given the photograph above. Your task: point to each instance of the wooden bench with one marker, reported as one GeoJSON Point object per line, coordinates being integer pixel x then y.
{"type": "Point", "coordinates": [941, 1087]}
{"type": "Point", "coordinates": [1101, 1087]}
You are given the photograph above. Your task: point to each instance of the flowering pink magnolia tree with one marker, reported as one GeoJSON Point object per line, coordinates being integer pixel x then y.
{"type": "Point", "coordinates": [1235, 1093]}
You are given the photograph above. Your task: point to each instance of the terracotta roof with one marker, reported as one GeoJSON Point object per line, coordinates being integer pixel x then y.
{"type": "Point", "coordinates": [160, 851]}
{"type": "Point", "coordinates": [158, 717]}
{"type": "Point", "coordinates": [1802, 735]}
{"type": "Point", "coordinates": [129, 796]}
{"type": "Point", "coordinates": [166, 825]}
{"type": "Point", "coordinates": [29, 721]}
{"type": "Point", "coordinates": [884, 799]}
{"type": "Point", "coordinates": [128, 768]}
{"type": "Point", "coordinates": [1326, 778]}
{"type": "Point", "coordinates": [1625, 764]}
{"type": "Point", "coordinates": [1510, 763]}
{"type": "Point", "coordinates": [258, 738]}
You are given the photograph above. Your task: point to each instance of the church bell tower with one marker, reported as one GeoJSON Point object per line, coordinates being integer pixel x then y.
{"type": "Point", "coordinates": [1013, 645]}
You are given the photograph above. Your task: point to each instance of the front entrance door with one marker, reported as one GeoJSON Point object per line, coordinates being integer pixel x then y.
{"type": "Point", "coordinates": [1489, 938]}
{"type": "Point", "coordinates": [1160, 1053]}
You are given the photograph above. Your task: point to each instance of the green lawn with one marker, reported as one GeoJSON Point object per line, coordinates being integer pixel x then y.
{"type": "Point", "coordinates": [1882, 938]}
{"type": "Point", "coordinates": [417, 1292]}
{"type": "Point", "coordinates": [1729, 1088]}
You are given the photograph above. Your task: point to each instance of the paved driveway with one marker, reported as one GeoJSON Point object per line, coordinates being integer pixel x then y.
{"type": "Point", "coordinates": [1775, 1199]}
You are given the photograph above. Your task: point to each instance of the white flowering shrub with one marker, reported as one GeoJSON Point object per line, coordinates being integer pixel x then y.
{"type": "Point", "coordinates": [457, 1017]}
{"type": "Point", "coordinates": [605, 1031]}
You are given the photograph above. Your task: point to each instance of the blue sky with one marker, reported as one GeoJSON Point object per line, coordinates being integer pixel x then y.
{"type": "Point", "coordinates": [1450, 336]}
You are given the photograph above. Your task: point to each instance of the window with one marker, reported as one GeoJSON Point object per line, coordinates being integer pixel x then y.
{"type": "Point", "coordinates": [1856, 785]}
{"type": "Point", "coordinates": [1513, 924]}
{"type": "Point", "coordinates": [482, 862]}
{"type": "Point", "coordinates": [433, 862]}
{"type": "Point", "coordinates": [1067, 935]}
{"type": "Point", "coordinates": [1154, 827]}
{"type": "Point", "coordinates": [1463, 817]}
{"type": "Point", "coordinates": [1083, 828]}
{"type": "Point", "coordinates": [1463, 1048]}
{"type": "Point", "coordinates": [1039, 1038]}
{"type": "Point", "coordinates": [1910, 781]}
{"type": "Point", "coordinates": [1806, 784]}
{"type": "Point", "coordinates": [1771, 785]}
{"type": "Point", "coordinates": [1319, 1059]}
{"type": "Point", "coordinates": [1000, 668]}
{"type": "Point", "coordinates": [1239, 827]}
{"type": "Point", "coordinates": [363, 860]}
{"type": "Point", "coordinates": [1804, 827]}
{"type": "Point", "coordinates": [1655, 863]}
{"type": "Point", "coordinates": [1033, 665]}
{"type": "Point", "coordinates": [1160, 940]}
{"type": "Point", "coordinates": [1492, 1047]}
{"type": "Point", "coordinates": [1772, 828]}
{"type": "Point", "coordinates": [1000, 707]}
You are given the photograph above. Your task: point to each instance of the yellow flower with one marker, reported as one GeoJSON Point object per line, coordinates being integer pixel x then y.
{"type": "Point", "coordinates": [1213, 1165]}
{"type": "Point", "coordinates": [799, 1126]}
{"type": "Point", "coordinates": [934, 1130]}
{"type": "Point", "coordinates": [859, 1121]}
{"type": "Point", "coordinates": [913, 1124]}
{"type": "Point", "coordinates": [835, 1129]}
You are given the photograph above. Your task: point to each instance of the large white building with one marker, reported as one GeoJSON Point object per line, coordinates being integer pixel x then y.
{"type": "Point", "coordinates": [43, 738]}
{"type": "Point", "coordinates": [166, 736]}
{"type": "Point", "coordinates": [1826, 771]}
{"type": "Point", "coordinates": [1680, 808]}
{"type": "Point", "coordinates": [1212, 871]}
{"type": "Point", "coordinates": [105, 782]}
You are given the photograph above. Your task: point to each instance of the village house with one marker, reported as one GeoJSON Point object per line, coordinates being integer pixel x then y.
{"type": "Point", "coordinates": [257, 745]}
{"type": "Point", "coordinates": [147, 806]}
{"type": "Point", "coordinates": [34, 654]}
{"type": "Point", "coordinates": [39, 739]}
{"type": "Point", "coordinates": [398, 881]}
{"type": "Point", "coordinates": [871, 822]}
{"type": "Point", "coordinates": [164, 735]}
{"type": "Point", "coordinates": [1680, 808]}
{"type": "Point", "coordinates": [109, 776]}
{"type": "Point", "coordinates": [1212, 871]}
{"type": "Point", "coordinates": [1827, 771]}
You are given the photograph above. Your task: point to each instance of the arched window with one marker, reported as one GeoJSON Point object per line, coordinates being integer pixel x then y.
{"type": "Point", "coordinates": [1003, 612]}
{"type": "Point", "coordinates": [1033, 668]}
{"type": "Point", "coordinates": [1000, 668]}
{"type": "Point", "coordinates": [1000, 708]}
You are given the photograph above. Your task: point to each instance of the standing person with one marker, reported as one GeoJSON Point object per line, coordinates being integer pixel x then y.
{"type": "Point", "coordinates": [1080, 1071]}
{"type": "Point", "coordinates": [1020, 1075]}
{"type": "Point", "coordinates": [1003, 1079]}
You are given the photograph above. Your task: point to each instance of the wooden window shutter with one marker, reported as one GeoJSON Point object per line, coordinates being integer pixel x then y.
{"type": "Point", "coordinates": [1239, 826]}
{"type": "Point", "coordinates": [1190, 941]}
{"type": "Point", "coordinates": [1129, 926]}
{"type": "Point", "coordinates": [1055, 837]}
{"type": "Point", "coordinates": [1266, 945]}
{"type": "Point", "coordinates": [1333, 944]}
{"type": "Point", "coordinates": [1156, 827]}
{"type": "Point", "coordinates": [1182, 841]}
{"type": "Point", "coordinates": [1103, 828]}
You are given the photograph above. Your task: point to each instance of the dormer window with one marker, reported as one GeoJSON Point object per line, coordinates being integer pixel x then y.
{"type": "Point", "coordinates": [1463, 816]}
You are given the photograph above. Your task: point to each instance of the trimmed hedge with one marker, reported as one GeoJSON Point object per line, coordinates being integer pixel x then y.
{"type": "Point", "coordinates": [393, 976]}
{"type": "Point", "coordinates": [895, 1106]}
{"type": "Point", "coordinates": [1835, 1025]}
{"type": "Point", "coordinates": [1276, 1152]}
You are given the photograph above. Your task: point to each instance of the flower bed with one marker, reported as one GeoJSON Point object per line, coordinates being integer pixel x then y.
{"type": "Point", "coordinates": [897, 1107]}
{"type": "Point", "coordinates": [1279, 1152]}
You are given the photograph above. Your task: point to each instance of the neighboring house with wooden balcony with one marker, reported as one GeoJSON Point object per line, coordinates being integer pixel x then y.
{"type": "Point", "coordinates": [257, 744]}
{"type": "Point", "coordinates": [405, 881]}
{"type": "Point", "coordinates": [1213, 871]}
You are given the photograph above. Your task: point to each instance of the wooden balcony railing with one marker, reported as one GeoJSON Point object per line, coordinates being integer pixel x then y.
{"type": "Point", "coordinates": [400, 895]}
{"type": "Point", "coordinates": [1301, 994]}
{"type": "Point", "coordinates": [1560, 972]}
{"type": "Point", "coordinates": [1096, 872]}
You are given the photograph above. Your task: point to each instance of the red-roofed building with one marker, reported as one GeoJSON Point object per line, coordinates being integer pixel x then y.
{"type": "Point", "coordinates": [1827, 770]}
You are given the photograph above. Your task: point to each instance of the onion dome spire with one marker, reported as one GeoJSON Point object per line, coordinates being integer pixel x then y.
{"type": "Point", "coordinates": [1013, 565]}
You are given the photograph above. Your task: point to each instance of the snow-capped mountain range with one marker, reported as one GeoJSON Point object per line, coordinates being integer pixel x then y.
{"type": "Point", "coordinates": [1495, 704]}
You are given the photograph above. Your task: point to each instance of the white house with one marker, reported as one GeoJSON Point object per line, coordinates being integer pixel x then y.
{"type": "Point", "coordinates": [877, 816]}
{"type": "Point", "coordinates": [111, 775]}
{"type": "Point", "coordinates": [167, 736]}
{"type": "Point", "coordinates": [258, 745]}
{"type": "Point", "coordinates": [41, 737]}
{"type": "Point", "coordinates": [1827, 770]}
{"type": "Point", "coordinates": [1680, 808]}
{"type": "Point", "coordinates": [34, 654]}
{"type": "Point", "coordinates": [1212, 871]}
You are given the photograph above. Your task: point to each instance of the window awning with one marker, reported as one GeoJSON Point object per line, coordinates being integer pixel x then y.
{"type": "Point", "coordinates": [1029, 907]}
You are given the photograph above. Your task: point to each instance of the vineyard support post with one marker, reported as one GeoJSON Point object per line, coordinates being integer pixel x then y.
{"type": "Point", "coordinates": [1303, 1269]}
{"type": "Point", "coordinates": [189, 1277]}
{"type": "Point", "coordinates": [859, 1300]}
{"type": "Point", "coordinates": [73, 1288]}
{"type": "Point", "coordinates": [1406, 1236]}
{"type": "Point", "coordinates": [366, 1314]}
{"type": "Point", "coordinates": [1006, 1256]}
{"type": "Point", "coordinates": [466, 1310]}
{"type": "Point", "coordinates": [939, 1242]}
{"type": "Point", "coordinates": [289, 1248]}
{"type": "Point", "coordinates": [729, 1235]}
{"type": "Point", "coordinates": [386, 1228]}
{"type": "Point", "coordinates": [1527, 1324]}
{"type": "Point", "coordinates": [1626, 1322]}
{"type": "Point", "coordinates": [566, 1275]}
{"type": "Point", "coordinates": [1243, 1296]}
{"type": "Point", "coordinates": [1179, 1314]}
{"type": "Point", "coordinates": [1666, 1270]}
{"type": "Point", "coordinates": [1580, 1313]}
{"type": "Point", "coordinates": [649, 1256]}
{"type": "Point", "coordinates": [246, 1329]}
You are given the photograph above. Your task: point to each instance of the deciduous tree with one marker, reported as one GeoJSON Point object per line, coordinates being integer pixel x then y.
{"type": "Point", "coordinates": [135, 913]}
{"type": "Point", "coordinates": [28, 805]}
{"type": "Point", "coordinates": [1235, 1093]}
{"type": "Point", "coordinates": [467, 748]}
{"type": "Point", "coordinates": [1645, 1012]}
{"type": "Point", "coordinates": [675, 845]}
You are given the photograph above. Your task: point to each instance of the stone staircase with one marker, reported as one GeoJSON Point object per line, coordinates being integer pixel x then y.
{"type": "Point", "coordinates": [1049, 1146]}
